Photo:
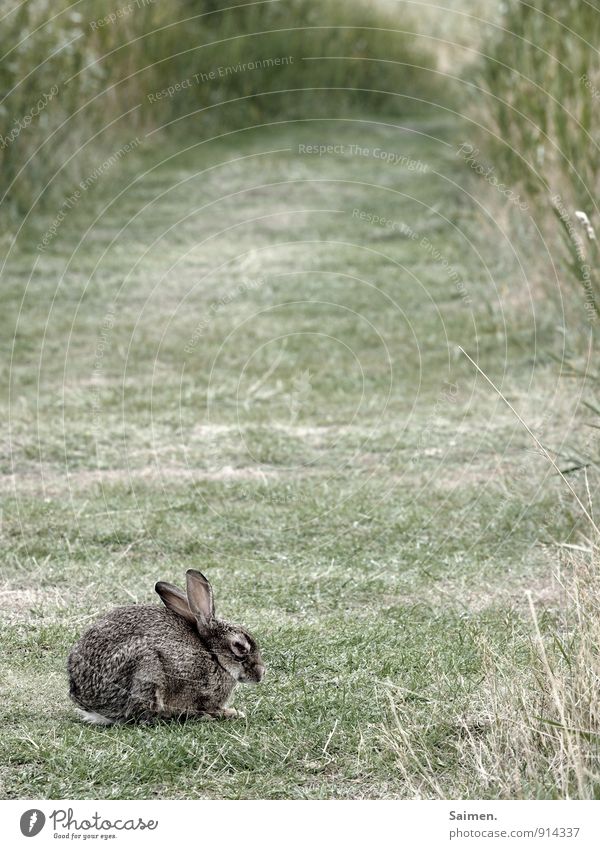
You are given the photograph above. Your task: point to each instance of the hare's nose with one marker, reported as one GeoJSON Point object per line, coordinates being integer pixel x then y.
{"type": "Point", "coordinates": [260, 671]}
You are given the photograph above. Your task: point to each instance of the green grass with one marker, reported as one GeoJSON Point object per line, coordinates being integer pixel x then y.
{"type": "Point", "coordinates": [359, 499]}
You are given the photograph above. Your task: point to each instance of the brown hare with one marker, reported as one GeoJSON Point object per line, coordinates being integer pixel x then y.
{"type": "Point", "coordinates": [146, 662]}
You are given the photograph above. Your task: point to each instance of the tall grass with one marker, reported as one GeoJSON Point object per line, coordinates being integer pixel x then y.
{"type": "Point", "coordinates": [77, 79]}
{"type": "Point", "coordinates": [542, 76]}
{"type": "Point", "coordinates": [536, 735]}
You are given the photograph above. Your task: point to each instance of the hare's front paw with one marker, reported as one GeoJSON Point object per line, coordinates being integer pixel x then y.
{"type": "Point", "coordinates": [232, 713]}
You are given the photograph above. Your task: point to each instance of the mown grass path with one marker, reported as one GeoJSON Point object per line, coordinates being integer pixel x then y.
{"type": "Point", "coordinates": [242, 357]}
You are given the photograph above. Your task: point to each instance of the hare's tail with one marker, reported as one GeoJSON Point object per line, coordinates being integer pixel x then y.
{"type": "Point", "coordinates": [94, 718]}
{"type": "Point", "coordinates": [86, 714]}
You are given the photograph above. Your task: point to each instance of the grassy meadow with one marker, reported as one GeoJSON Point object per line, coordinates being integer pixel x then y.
{"type": "Point", "coordinates": [239, 349]}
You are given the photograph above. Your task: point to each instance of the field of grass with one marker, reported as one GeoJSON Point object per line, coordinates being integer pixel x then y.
{"type": "Point", "coordinates": [79, 79]}
{"type": "Point", "coordinates": [222, 360]}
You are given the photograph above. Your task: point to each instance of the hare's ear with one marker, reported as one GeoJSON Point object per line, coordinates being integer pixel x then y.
{"type": "Point", "coordinates": [200, 596]}
{"type": "Point", "coordinates": [175, 600]}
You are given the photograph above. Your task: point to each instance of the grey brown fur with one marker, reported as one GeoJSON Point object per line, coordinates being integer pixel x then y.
{"type": "Point", "coordinates": [144, 662]}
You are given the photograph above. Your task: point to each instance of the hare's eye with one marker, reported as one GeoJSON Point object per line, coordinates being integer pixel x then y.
{"type": "Point", "coordinates": [239, 648]}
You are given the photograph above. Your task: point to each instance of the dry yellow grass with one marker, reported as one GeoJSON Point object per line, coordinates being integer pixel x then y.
{"type": "Point", "coordinates": [515, 729]}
